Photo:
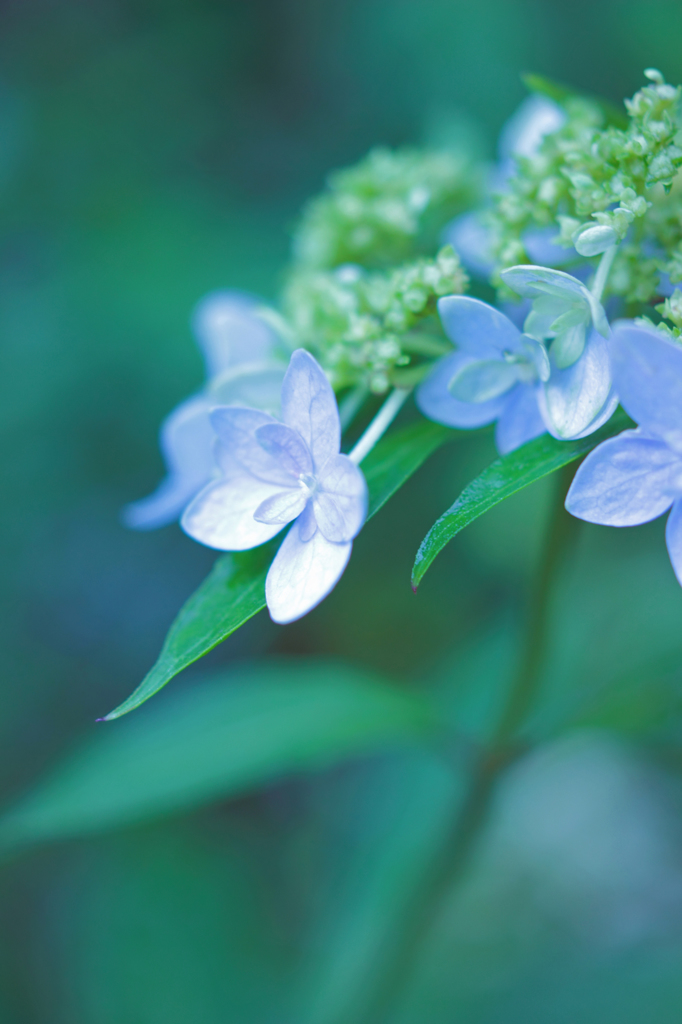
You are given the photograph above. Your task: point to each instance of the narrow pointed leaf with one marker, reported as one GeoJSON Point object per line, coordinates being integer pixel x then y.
{"type": "Point", "coordinates": [234, 591]}
{"type": "Point", "coordinates": [224, 737]}
{"type": "Point", "coordinates": [503, 478]}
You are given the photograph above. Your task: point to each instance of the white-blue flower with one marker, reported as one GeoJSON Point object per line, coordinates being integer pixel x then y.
{"type": "Point", "coordinates": [240, 351]}
{"type": "Point", "coordinates": [637, 476]}
{"type": "Point", "coordinates": [275, 473]}
{"type": "Point", "coordinates": [499, 373]}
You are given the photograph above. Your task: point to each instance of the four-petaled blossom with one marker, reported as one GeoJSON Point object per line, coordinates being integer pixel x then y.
{"type": "Point", "coordinates": [637, 476]}
{"type": "Point", "coordinates": [499, 373]}
{"type": "Point", "coordinates": [242, 366]}
{"type": "Point", "coordinates": [275, 473]}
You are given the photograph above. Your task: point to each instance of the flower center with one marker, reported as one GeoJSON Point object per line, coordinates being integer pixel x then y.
{"type": "Point", "coordinates": [308, 484]}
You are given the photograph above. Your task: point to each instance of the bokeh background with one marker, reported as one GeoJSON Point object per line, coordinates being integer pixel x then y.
{"type": "Point", "coordinates": [152, 151]}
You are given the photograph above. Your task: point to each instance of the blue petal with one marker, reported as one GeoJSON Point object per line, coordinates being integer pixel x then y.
{"type": "Point", "coordinates": [575, 400]}
{"type": "Point", "coordinates": [303, 573]}
{"type": "Point", "coordinates": [287, 447]}
{"type": "Point", "coordinates": [341, 503]}
{"type": "Point", "coordinates": [673, 538]}
{"type": "Point", "coordinates": [540, 245]}
{"type": "Point", "coordinates": [256, 385]}
{"type": "Point", "coordinates": [436, 402]}
{"type": "Point", "coordinates": [523, 132]}
{"type": "Point", "coordinates": [306, 523]}
{"type": "Point", "coordinates": [535, 282]}
{"type": "Point", "coordinates": [520, 420]}
{"type": "Point", "coordinates": [482, 380]}
{"type": "Point", "coordinates": [647, 373]}
{"type": "Point", "coordinates": [282, 507]}
{"type": "Point", "coordinates": [222, 515]}
{"type": "Point", "coordinates": [627, 480]}
{"type": "Point", "coordinates": [477, 328]}
{"type": "Point", "coordinates": [187, 446]}
{"type": "Point", "coordinates": [472, 241]}
{"type": "Point", "coordinates": [236, 427]}
{"type": "Point", "coordinates": [309, 406]}
{"type": "Point", "coordinates": [230, 332]}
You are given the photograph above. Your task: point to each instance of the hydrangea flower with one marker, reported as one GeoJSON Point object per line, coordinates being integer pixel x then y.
{"type": "Point", "coordinates": [637, 476]}
{"type": "Point", "coordinates": [275, 473]}
{"type": "Point", "coordinates": [499, 373]}
{"type": "Point", "coordinates": [242, 367]}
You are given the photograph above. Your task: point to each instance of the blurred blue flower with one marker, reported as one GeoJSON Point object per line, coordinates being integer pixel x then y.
{"type": "Point", "coordinates": [243, 367]}
{"type": "Point", "coordinates": [637, 476]}
{"type": "Point", "coordinates": [275, 473]}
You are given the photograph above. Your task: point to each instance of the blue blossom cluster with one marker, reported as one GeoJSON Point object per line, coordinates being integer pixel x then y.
{"type": "Point", "coordinates": [258, 449]}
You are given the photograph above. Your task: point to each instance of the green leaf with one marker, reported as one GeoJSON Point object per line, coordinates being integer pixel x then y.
{"type": "Point", "coordinates": [503, 478]}
{"type": "Point", "coordinates": [222, 738]}
{"type": "Point", "coordinates": [561, 93]}
{"type": "Point", "coordinates": [234, 591]}
{"type": "Point", "coordinates": [389, 827]}
{"type": "Point", "coordinates": [165, 925]}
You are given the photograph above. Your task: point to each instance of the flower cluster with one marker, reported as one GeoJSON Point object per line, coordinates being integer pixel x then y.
{"type": "Point", "coordinates": [594, 183]}
{"type": "Point", "coordinates": [386, 209]}
{"type": "Point", "coordinates": [361, 325]}
{"type": "Point", "coordinates": [259, 447]}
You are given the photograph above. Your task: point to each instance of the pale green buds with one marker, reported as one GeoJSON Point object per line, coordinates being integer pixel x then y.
{"type": "Point", "coordinates": [594, 239]}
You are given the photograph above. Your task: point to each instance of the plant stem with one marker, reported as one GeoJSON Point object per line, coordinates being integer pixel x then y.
{"type": "Point", "coordinates": [603, 271]}
{"type": "Point", "coordinates": [490, 764]}
{"type": "Point", "coordinates": [559, 532]}
{"type": "Point", "coordinates": [379, 425]}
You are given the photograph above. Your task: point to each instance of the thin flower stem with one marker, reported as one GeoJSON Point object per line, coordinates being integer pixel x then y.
{"type": "Point", "coordinates": [490, 764]}
{"type": "Point", "coordinates": [379, 425]}
{"type": "Point", "coordinates": [603, 271]}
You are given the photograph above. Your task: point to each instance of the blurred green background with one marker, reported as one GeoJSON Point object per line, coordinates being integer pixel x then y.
{"type": "Point", "coordinates": [150, 152]}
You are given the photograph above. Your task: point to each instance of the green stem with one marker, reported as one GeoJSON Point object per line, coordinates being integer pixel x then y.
{"type": "Point", "coordinates": [490, 764]}
{"type": "Point", "coordinates": [603, 271]}
{"type": "Point", "coordinates": [379, 425]}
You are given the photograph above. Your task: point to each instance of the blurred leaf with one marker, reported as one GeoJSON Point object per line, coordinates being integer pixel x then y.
{"type": "Point", "coordinates": [503, 478]}
{"type": "Point", "coordinates": [222, 738]}
{"type": "Point", "coordinates": [234, 591]}
{"type": "Point", "coordinates": [561, 93]}
{"type": "Point", "coordinates": [162, 925]}
{"type": "Point", "coordinates": [615, 647]}
{"type": "Point", "coordinates": [385, 838]}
